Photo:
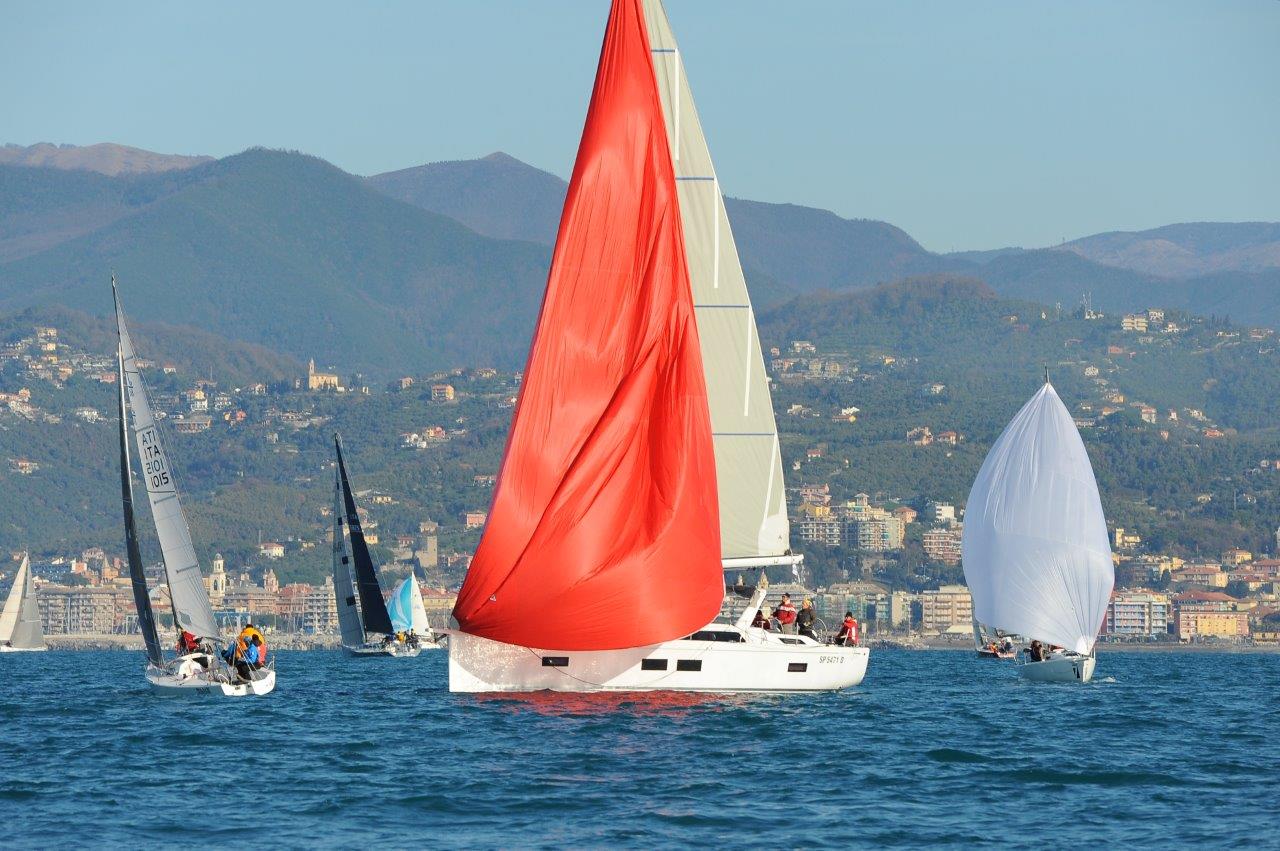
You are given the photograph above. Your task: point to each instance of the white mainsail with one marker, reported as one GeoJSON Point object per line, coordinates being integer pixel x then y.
{"type": "Point", "coordinates": [191, 607]}
{"type": "Point", "coordinates": [344, 591]}
{"type": "Point", "coordinates": [753, 509]}
{"type": "Point", "coordinates": [1035, 547]}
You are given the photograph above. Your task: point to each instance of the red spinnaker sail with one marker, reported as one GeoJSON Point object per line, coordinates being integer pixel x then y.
{"type": "Point", "coordinates": [604, 529]}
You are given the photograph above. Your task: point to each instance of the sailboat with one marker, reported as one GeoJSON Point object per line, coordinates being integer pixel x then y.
{"type": "Point", "coordinates": [20, 619]}
{"type": "Point", "coordinates": [202, 671]}
{"type": "Point", "coordinates": [643, 458]}
{"type": "Point", "coordinates": [409, 615]}
{"type": "Point", "coordinates": [1035, 549]}
{"type": "Point", "coordinates": [992, 644]}
{"type": "Point", "coordinates": [358, 624]}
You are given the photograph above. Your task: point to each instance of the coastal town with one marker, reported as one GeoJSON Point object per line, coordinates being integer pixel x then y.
{"type": "Point", "coordinates": [1230, 598]}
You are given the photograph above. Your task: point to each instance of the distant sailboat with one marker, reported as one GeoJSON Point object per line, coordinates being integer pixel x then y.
{"type": "Point", "coordinates": [372, 616]}
{"type": "Point", "coordinates": [202, 671]}
{"type": "Point", "coordinates": [20, 619]}
{"type": "Point", "coordinates": [1035, 548]}
{"type": "Point", "coordinates": [643, 458]}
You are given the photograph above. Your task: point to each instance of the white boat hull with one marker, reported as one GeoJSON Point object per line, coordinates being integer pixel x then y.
{"type": "Point", "coordinates": [399, 651]}
{"type": "Point", "coordinates": [1060, 669]}
{"type": "Point", "coordinates": [179, 678]}
{"type": "Point", "coordinates": [4, 648]}
{"type": "Point", "coordinates": [758, 663]}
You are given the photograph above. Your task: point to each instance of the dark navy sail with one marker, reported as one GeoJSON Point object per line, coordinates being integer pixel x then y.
{"type": "Point", "coordinates": [372, 606]}
{"type": "Point", "coordinates": [141, 600]}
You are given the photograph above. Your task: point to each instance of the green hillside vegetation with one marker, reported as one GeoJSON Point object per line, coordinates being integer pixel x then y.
{"type": "Point", "coordinates": [271, 478]}
{"type": "Point", "coordinates": [955, 332]}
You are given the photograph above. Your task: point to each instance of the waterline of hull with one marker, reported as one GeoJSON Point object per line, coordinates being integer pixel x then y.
{"type": "Point", "coordinates": [1061, 669]}
{"type": "Point", "coordinates": [480, 665]}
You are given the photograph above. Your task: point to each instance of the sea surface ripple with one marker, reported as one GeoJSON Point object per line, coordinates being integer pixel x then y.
{"type": "Point", "coordinates": [934, 749]}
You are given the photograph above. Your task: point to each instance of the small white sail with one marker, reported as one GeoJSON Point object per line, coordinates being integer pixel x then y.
{"type": "Point", "coordinates": [753, 509]}
{"type": "Point", "coordinates": [20, 618]}
{"type": "Point", "coordinates": [186, 585]}
{"type": "Point", "coordinates": [1035, 547]}
{"type": "Point", "coordinates": [419, 612]}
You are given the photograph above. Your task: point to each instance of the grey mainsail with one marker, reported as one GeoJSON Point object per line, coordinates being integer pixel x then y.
{"type": "Point", "coordinates": [137, 578]}
{"type": "Point", "coordinates": [373, 608]}
{"type": "Point", "coordinates": [191, 609]}
{"type": "Point", "coordinates": [753, 510]}
{"type": "Point", "coordinates": [20, 618]}
{"type": "Point", "coordinates": [348, 615]}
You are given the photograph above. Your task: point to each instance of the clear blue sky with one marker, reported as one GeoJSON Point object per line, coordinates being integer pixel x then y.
{"type": "Point", "coordinates": [969, 124]}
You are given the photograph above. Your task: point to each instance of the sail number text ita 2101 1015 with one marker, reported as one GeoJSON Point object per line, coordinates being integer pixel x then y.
{"type": "Point", "coordinates": [153, 459]}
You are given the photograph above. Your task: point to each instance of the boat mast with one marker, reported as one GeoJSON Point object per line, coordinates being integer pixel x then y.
{"type": "Point", "coordinates": [137, 577]}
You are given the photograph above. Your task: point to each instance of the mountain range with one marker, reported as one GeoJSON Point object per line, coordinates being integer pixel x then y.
{"type": "Point", "coordinates": [443, 264]}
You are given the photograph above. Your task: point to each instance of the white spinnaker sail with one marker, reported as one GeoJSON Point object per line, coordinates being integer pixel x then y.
{"type": "Point", "coordinates": [753, 509]}
{"type": "Point", "coordinates": [186, 585]}
{"type": "Point", "coordinates": [344, 591]}
{"type": "Point", "coordinates": [1035, 547]}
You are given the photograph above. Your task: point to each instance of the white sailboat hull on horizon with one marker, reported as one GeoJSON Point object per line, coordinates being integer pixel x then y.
{"type": "Point", "coordinates": [378, 648]}
{"type": "Point", "coordinates": [5, 648]}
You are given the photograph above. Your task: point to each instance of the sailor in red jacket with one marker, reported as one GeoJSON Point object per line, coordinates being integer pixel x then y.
{"type": "Point", "coordinates": [848, 635]}
{"type": "Point", "coordinates": [786, 614]}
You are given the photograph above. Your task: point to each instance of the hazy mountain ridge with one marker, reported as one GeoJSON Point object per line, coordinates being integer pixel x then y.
{"type": "Point", "coordinates": [104, 158]}
{"type": "Point", "coordinates": [1186, 250]}
{"type": "Point", "coordinates": [288, 251]}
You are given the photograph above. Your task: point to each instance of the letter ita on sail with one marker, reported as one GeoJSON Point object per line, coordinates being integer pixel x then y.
{"type": "Point", "coordinates": [186, 585]}
{"type": "Point", "coordinates": [752, 498]}
{"type": "Point", "coordinates": [1036, 554]}
{"type": "Point", "coordinates": [137, 577]}
{"type": "Point", "coordinates": [604, 528]}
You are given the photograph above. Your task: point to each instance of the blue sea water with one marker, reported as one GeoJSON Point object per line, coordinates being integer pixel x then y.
{"type": "Point", "coordinates": [934, 749]}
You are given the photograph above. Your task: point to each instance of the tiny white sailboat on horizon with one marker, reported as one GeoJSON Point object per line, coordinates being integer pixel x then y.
{"type": "Point", "coordinates": [202, 671]}
{"type": "Point", "coordinates": [643, 459]}
{"type": "Point", "coordinates": [20, 630]}
{"type": "Point", "coordinates": [359, 621]}
{"type": "Point", "coordinates": [1035, 549]}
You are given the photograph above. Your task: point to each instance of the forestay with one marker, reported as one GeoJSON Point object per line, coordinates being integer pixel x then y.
{"type": "Point", "coordinates": [1035, 548]}
{"type": "Point", "coordinates": [753, 510]}
{"type": "Point", "coordinates": [186, 585]}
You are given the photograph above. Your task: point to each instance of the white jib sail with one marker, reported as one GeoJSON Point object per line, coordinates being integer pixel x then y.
{"type": "Point", "coordinates": [186, 585]}
{"type": "Point", "coordinates": [753, 509]}
{"type": "Point", "coordinates": [9, 615]}
{"type": "Point", "coordinates": [419, 612]}
{"type": "Point", "coordinates": [1035, 548]}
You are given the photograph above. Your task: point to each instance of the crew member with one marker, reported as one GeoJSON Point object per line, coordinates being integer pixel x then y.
{"type": "Point", "coordinates": [786, 615]}
{"type": "Point", "coordinates": [848, 634]}
{"type": "Point", "coordinates": [805, 619]}
{"type": "Point", "coordinates": [187, 643]}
